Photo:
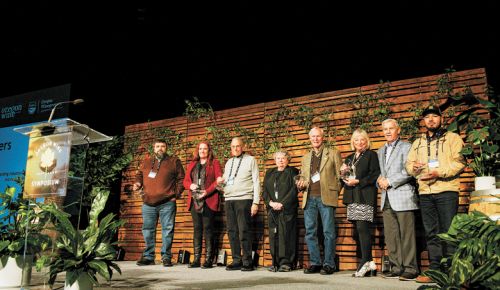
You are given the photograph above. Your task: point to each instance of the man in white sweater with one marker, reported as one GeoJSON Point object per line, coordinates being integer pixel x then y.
{"type": "Point", "coordinates": [242, 194]}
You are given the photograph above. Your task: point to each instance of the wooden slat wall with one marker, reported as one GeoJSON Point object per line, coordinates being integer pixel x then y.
{"type": "Point", "coordinates": [403, 94]}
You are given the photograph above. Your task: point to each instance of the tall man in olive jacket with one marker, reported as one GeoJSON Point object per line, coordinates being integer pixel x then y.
{"type": "Point", "coordinates": [321, 186]}
{"type": "Point", "coordinates": [435, 160]}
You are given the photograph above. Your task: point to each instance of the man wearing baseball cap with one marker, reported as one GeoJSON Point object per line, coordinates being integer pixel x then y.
{"type": "Point", "coordinates": [436, 162]}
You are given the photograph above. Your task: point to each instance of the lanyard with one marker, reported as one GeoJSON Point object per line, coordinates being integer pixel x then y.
{"type": "Point", "coordinates": [237, 168]}
{"type": "Point", "coordinates": [199, 168]}
{"type": "Point", "coordinates": [319, 163]}
{"type": "Point", "coordinates": [429, 139]}
{"type": "Point", "coordinates": [393, 147]}
{"type": "Point", "coordinates": [277, 175]}
{"type": "Point", "coordinates": [355, 160]}
{"type": "Point", "coordinates": [153, 164]}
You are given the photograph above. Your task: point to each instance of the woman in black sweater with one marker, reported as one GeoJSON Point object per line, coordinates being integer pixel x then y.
{"type": "Point", "coordinates": [360, 172]}
{"type": "Point", "coordinates": [280, 197]}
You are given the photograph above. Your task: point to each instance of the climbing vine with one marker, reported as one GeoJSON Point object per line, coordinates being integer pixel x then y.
{"type": "Point", "coordinates": [277, 130]}
{"type": "Point", "coordinates": [370, 108]}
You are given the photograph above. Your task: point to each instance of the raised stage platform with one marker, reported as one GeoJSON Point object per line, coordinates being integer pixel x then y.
{"type": "Point", "coordinates": [181, 277]}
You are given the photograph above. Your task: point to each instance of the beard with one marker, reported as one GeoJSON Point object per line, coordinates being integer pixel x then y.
{"type": "Point", "coordinates": [434, 130]}
{"type": "Point", "coordinates": [160, 155]}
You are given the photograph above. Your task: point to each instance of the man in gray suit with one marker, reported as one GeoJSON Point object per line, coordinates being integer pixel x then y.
{"type": "Point", "coordinates": [398, 201]}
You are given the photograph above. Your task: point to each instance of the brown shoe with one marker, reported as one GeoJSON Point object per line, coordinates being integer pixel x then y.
{"type": "Point", "coordinates": [423, 279]}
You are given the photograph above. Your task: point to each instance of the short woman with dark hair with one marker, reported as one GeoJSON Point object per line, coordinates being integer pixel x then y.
{"type": "Point", "coordinates": [280, 197]}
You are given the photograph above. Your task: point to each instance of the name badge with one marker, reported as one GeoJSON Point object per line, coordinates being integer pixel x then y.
{"type": "Point", "coordinates": [152, 174]}
{"type": "Point", "coordinates": [315, 177]}
{"type": "Point", "coordinates": [434, 163]}
{"type": "Point", "coordinates": [230, 181]}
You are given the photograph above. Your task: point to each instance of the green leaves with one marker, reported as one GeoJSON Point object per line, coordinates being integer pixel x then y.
{"type": "Point", "coordinates": [101, 164]}
{"type": "Point", "coordinates": [482, 134]}
{"type": "Point", "coordinates": [476, 262]}
{"type": "Point", "coordinates": [18, 221]}
{"type": "Point", "coordinates": [86, 251]}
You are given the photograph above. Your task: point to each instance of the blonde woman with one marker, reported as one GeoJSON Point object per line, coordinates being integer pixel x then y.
{"type": "Point", "coordinates": [360, 172]}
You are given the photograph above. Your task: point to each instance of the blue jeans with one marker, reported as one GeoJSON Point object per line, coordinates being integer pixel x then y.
{"type": "Point", "coordinates": [150, 214]}
{"type": "Point", "coordinates": [438, 211]}
{"type": "Point", "coordinates": [327, 213]}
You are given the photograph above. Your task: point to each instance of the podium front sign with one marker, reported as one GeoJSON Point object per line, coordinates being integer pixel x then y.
{"type": "Point", "coordinates": [47, 166]}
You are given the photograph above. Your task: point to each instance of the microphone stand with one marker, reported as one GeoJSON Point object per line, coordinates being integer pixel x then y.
{"type": "Point", "coordinates": [49, 128]}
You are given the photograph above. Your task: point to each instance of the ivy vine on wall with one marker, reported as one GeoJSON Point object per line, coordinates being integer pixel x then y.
{"type": "Point", "coordinates": [370, 108]}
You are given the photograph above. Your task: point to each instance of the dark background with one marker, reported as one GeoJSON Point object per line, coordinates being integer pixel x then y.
{"type": "Point", "coordinates": [231, 53]}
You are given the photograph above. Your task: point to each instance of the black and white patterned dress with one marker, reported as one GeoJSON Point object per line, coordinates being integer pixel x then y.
{"type": "Point", "coordinates": [360, 212]}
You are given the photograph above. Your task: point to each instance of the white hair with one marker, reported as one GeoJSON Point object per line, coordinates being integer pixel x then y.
{"type": "Point", "coordinates": [317, 128]}
{"type": "Point", "coordinates": [390, 120]}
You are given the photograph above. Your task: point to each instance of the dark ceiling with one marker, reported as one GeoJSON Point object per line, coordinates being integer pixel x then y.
{"type": "Point", "coordinates": [231, 54]}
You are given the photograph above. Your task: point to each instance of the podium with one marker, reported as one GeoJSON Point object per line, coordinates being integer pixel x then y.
{"type": "Point", "coordinates": [48, 173]}
{"type": "Point", "coordinates": [48, 161]}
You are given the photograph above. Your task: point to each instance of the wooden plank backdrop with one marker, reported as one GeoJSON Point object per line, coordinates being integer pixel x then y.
{"type": "Point", "coordinates": [403, 94]}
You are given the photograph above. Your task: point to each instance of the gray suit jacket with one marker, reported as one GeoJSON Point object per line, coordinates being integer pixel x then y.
{"type": "Point", "coordinates": [401, 193]}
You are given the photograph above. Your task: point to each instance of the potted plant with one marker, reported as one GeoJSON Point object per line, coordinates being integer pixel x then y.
{"type": "Point", "coordinates": [484, 155]}
{"type": "Point", "coordinates": [476, 262]}
{"type": "Point", "coordinates": [22, 237]}
{"type": "Point", "coordinates": [83, 254]}
{"type": "Point", "coordinates": [482, 148]}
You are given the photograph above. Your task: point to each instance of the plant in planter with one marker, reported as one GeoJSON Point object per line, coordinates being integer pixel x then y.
{"type": "Point", "coordinates": [476, 262]}
{"type": "Point", "coordinates": [85, 253]}
{"type": "Point", "coordinates": [22, 224]}
{"type": "Point", "coordinates": [482, 135]}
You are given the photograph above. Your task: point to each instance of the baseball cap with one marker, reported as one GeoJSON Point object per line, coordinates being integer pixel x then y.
{"type": "Point", "coordinates": [431, 110]}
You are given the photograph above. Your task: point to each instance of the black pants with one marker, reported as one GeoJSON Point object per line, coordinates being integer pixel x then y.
{"type": "Point", "coordinates": [438, 211]}
{"type": "Point", "coordinates": [203, 223]}
{"type": "Point", "coordinates": [365, 241]}
{"type": "Point", "coordinates": [283, 237]}
{"type": "Point", "coordinates": [239, 221]}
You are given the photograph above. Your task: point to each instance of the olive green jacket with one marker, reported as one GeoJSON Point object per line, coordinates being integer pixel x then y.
{"type": "Point", "coordinates": [329, 175]}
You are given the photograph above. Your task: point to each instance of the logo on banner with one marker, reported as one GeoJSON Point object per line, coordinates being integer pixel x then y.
{"type": "Point", "coordinates": [47, 166]}
{"type": "Point", "coordinates": [32, 106]}
{"type": "Point", "coordinates": [10, 112]}
{"type": "Point", "coordinates": [48, 160]}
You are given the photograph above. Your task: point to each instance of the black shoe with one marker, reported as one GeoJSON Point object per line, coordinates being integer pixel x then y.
{"type": "Point", "coordinates": [312, 269]}
{"type": "Point", "coordinates": [391, 275]}
{"type": "Point", "coordinates": [232, 267]}
{"type": "Point", "coordinates": [408, 276]}
{"type": "Point", "coordinates": [285, 268]}
{"type": "Point", "coordinates": [327, 270]}
{"type": "Point", "coordinates": [167, 263]}
{"type": "Point", "coordinates": [272, 269]}
{"type": "Point", "coordinates": [195, 264]}
{"type": "Point", "coordinates": [247, 268]}
{"type": "Point", "coordinates": [207, 265]}
{"type": "Point", "coordinates": [145, 262]}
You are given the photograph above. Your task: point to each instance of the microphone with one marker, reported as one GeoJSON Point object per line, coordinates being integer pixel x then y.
{"type": "Point", "coordinates": [74, 102]}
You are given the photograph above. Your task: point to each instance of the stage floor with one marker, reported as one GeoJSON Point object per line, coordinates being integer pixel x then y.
{"type": "Point", "coordinates": [181, 277]}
